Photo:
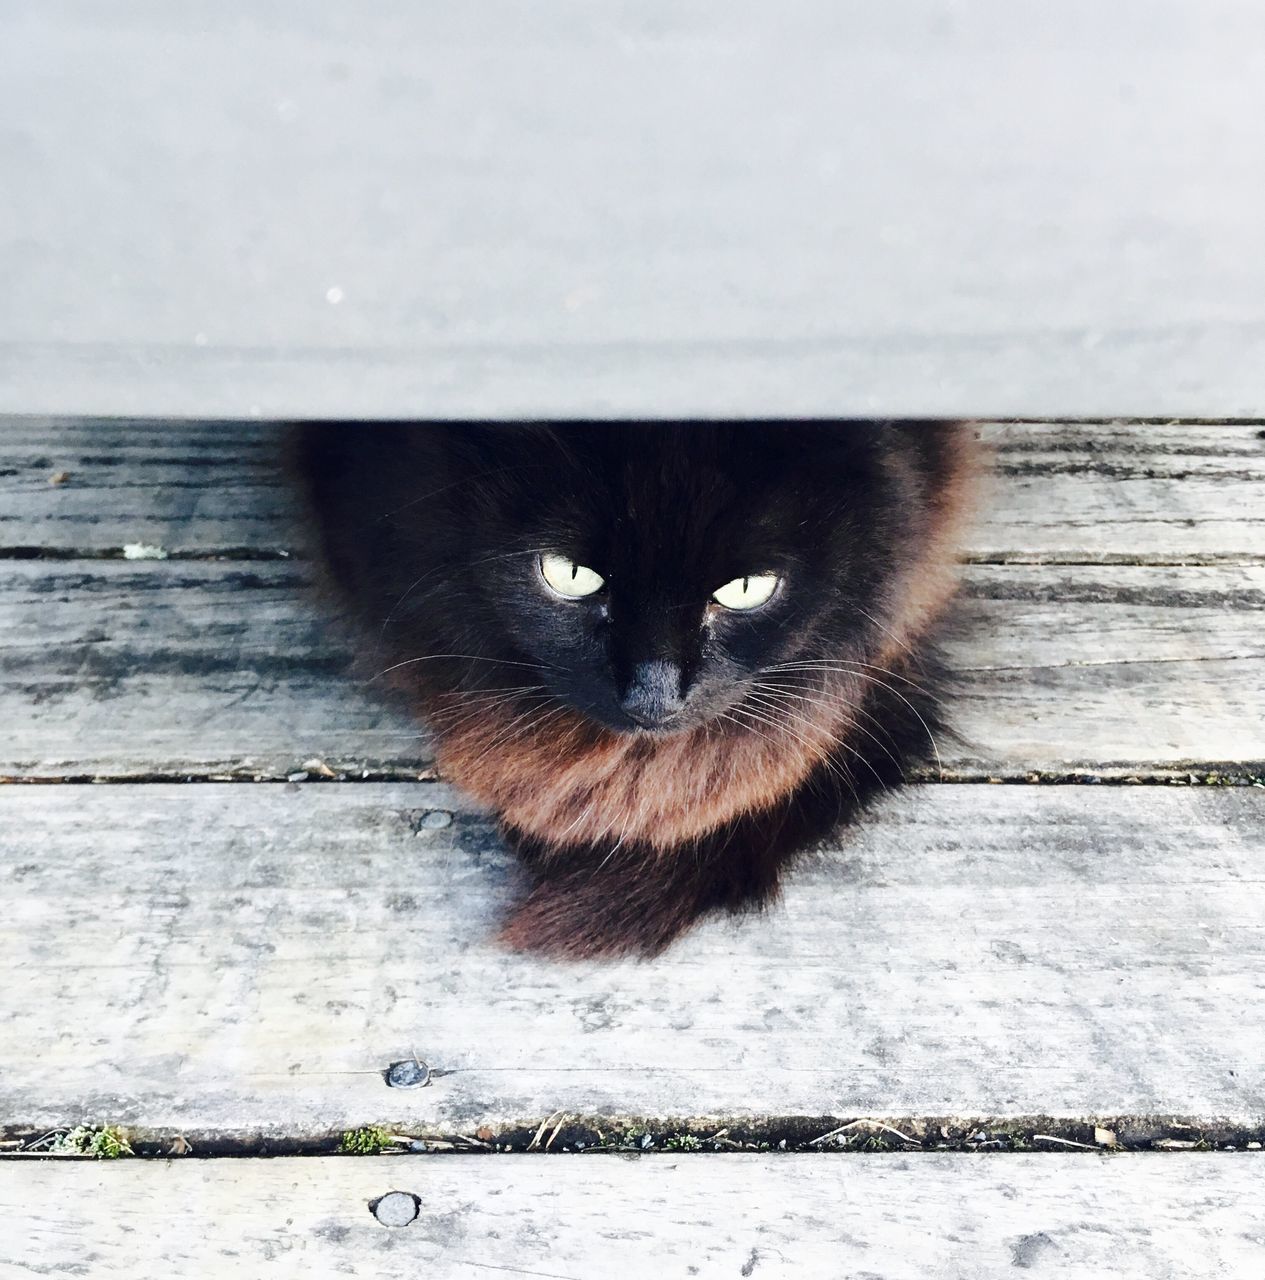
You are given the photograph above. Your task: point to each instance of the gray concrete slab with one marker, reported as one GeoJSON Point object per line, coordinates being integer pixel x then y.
{"type": "Point", "coordinates": [652, 209]}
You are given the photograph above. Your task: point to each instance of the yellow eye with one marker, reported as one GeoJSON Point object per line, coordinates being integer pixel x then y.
{"type": "Point", "coordinates": [747, 593]}
{"type": "Point", "coordinates": [568, 578]}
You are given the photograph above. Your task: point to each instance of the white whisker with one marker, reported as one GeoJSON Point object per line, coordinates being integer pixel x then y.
{"type": "Point", "coordinates": [878, 742]}
{"type": "Point", "coordinates": [463, 657]}
{"type": "Point", "coordinates": [863, 674]}
{"type": "Point", "coordinates": [835, 742]}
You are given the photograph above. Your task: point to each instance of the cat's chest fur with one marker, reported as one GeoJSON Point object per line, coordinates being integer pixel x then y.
{"type": "Point", "coordinates": [568, 783]}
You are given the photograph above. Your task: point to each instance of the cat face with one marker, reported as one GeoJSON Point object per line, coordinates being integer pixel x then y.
{"type": "Point", "coordinates": [631, 624]}
{"type": "Point", "coordinates": [648, 576]}
{"type": "Point", "coordinates": [651, 574]}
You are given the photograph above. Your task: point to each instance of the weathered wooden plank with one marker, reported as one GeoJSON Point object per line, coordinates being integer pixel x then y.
{"type": "Point", "coordinates": [228, 665]}
{"type": "Point", "coordinates": [244, 962]}
{"type": "Point", "coordinates": [1109, 668]}
{"type": "Point", "coordinates": [188, 667]}
{"type": "Point", "coordinates": [652, 209]}
{"type": "Point", "coordinates": [117, 669]}
{"type": "Point", "coordinates": [933, 1217]}
{"type": "Point", "coordinates": [1110, 493]}
{"type": "Point", "coordinates": [91, 487]}
{"type": "Point", "coordinates": [1084, 493]}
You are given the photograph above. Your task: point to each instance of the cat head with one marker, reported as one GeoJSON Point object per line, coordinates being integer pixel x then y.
{"type": "Point", "coordinates": [649, 576]}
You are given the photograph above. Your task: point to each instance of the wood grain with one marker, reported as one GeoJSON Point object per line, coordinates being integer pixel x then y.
{"type": "Point", "coordinates": [230, 961]}
{"type": "Point", "coordinates": [569, 1217]}
{"type": "Point", "coordinates": [1125, 494]}
{"type": "Point", "coordinates": [205, 489]}
{"type": "Point", "coordinates": [1096, 492]}
{"type": "Point", "coordinates": [1085, 667]}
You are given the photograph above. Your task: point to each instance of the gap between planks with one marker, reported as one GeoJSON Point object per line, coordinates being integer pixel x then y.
{"type": "Point", "coordinates": [297, 555]}
{"type": "Point", "coordinates": [1193, 773]}
{"type": "Point", "coordinates": [568, 1133]}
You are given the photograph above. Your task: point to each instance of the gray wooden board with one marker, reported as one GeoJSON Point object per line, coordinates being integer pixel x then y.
{"type": "Point", "coordinates": [644, 209]}
{"type": "Point", "coordinates": [882, 1217]}
{"type": "Point", "coordinates": [1073, 492]}
{"type": "Point", "coordinates": [1107, 492]}
{"type": "Point", "coordinates": [111, 668]}
{"type": "Point", "coordinates": [245, 962]}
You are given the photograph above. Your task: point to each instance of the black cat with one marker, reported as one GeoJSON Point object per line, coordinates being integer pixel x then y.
{"type": "Point", "coordinates": [669, 655]}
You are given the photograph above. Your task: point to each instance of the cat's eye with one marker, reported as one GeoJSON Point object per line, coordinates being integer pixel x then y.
{"type": "Point", "coordinates": [568, 578]}
{"type": "Point", "coordinates": [747, 593]}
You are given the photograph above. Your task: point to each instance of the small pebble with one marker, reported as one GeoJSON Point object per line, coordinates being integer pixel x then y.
{"type": "Point", "coordinates": [396, 1208]}
{"type": "Point", "coordinates": [408, 1074]}
{"type": "Point", "coordinates": [435, 820]}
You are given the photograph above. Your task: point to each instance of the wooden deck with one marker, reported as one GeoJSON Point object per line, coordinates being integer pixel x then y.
{"type": "Point", "coordinates": [985, 1034]}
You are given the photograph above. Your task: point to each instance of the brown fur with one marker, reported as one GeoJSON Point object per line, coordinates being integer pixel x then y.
{"type": "Point", "coordinates": [571, 783]}
{"type": "Point", "coordinates": [632, 837]}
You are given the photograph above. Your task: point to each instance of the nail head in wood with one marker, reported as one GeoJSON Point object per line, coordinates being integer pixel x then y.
{"type": "Point", "coordinates": [396, 1208]}
{"type": "Point", "coordinates": [435, 820]}
{"type": "Point", "coordinates": [409, 1074]}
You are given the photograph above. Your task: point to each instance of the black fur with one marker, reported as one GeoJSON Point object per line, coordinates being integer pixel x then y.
{"type": "Point", "coordinates": [434, 532]}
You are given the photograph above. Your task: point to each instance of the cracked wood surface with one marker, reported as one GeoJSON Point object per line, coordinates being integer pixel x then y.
{"type": "Point", "coordinates": [247, 960]}
{"type": "Point", "coordinates": [936, 1217]}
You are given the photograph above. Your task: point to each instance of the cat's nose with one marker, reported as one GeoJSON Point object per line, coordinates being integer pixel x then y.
{"type": "Point", "coordinates": [653, 695]}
